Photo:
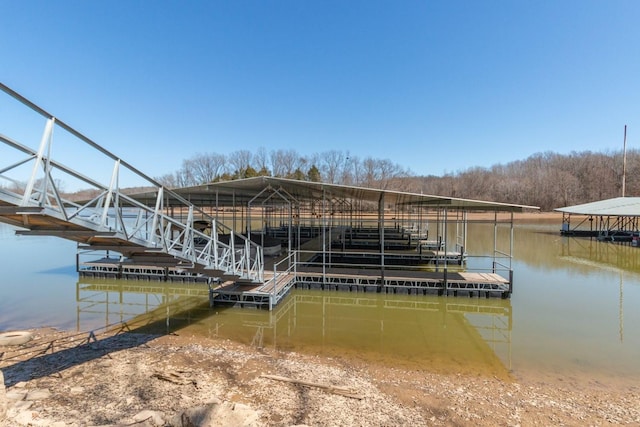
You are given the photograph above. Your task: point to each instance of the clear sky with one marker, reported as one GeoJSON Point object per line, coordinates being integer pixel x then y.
{"type": "Point", "coordinates": [435, 86]}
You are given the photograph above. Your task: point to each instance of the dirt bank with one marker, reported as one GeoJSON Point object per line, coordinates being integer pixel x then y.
{"type": "Point", "coordinates": [518, 217]}
{"type": "Point", "coordinates": [135, 379]}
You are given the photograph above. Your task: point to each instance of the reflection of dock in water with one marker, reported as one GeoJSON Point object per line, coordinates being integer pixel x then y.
{"type": "Point", "coordinates": [432, 332]}
{"type": "Point", "coordinates": [601, 255]}
{"type": "Point", "coordinates": [604, 256]}
{"type": "Point", "coordinates": [110, 301]}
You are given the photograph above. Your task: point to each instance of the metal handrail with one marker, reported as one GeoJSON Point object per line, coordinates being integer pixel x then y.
{"type": "Point", "coordinates": [152, 228]}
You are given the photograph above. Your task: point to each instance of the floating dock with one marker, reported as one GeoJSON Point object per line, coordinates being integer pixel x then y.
{"type": "Point", "coordinates": [114, 268]}
{"type": "Point", "coordinates": [353, 273]}
{"type": "Point", "coordinates": [363, 281]}
{"type": "Point", "coordinates": [277, 286]}
{"type": "Point", "coordinates": [412, 270]}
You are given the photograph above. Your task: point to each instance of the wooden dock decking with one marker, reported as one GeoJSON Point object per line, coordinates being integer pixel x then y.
{"type": "Point", "coordinates": [266, 294]}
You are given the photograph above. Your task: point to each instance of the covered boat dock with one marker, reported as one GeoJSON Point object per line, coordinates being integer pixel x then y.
{"type": "Point", "coordinates": [614, 220]}
{"type": "Point", "coordinates": [249, 240]}
{"type": "Point", "coordinates": [336, 237]}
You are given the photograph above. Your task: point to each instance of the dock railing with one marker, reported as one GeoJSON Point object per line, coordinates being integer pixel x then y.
{"type": "Point", "coordinates": [429, 259]}
{"type": "Point", "coordinates": [290, 262]}
{"type": "Point", "coordinates": [445, 274]}
{"type": "Point", "coordinates": [32, 181]}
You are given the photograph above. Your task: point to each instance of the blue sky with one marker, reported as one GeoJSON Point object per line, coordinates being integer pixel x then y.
{"type": "Point", "coordinates": [435, 86]}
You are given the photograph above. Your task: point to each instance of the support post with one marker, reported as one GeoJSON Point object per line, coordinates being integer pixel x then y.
{"type": "Point", "coordinates": [381, 233]}
{"type": "Point", "coordinates": [44, 143]}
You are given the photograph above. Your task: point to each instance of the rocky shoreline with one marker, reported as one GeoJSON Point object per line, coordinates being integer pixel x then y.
{"type": "Point", "coordinates": [133, 379]}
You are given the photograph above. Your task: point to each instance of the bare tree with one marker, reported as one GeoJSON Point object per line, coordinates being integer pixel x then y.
{"type": "Point", "coordinates": [332, 165]}
{"type": "Point", "coordinates": [389, 171]}
{"type": "Point", "coordinates": [204, 168]}
{"type": "Point", "coordinates": [285, 162]}
{"type": "Point", "coordinates": [168, 180]}
{"type": "Point", "coordinates": [261, 159]}
{"type": "Point", "coordinates": [356, 166]}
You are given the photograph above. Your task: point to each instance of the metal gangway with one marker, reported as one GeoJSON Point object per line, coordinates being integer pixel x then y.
{"type": "Point", "coordinates": [161, 232]}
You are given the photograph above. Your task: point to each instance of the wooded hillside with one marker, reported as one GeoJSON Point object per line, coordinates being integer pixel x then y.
{"type": "Point", "coordinates": [547, 180]}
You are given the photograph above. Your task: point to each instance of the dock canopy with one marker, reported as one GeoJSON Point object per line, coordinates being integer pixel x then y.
{"type": "Point", "coordinates": [228, 193]}
{"type": "Point", "coordinates": [611, 219]}
{"type": "Point", "coordinates": [618, 206]}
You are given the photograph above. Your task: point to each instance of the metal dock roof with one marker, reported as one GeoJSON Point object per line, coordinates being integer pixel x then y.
{"type": "Point", "coordinates": [228, 192]}
{"type": "Point", "coordinates": [618, 206]}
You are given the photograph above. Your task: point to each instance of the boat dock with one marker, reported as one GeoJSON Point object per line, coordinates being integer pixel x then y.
{"type": "Point", "coordinates": [411, 270]}
{"type": "Point", "coordinates": [614, 220]}
{"type": "Point", "coordinates": [114, 268]}
{"type": "Point", "coordinates": [404, 273]}
{"type": "Point", "coordinates": [404, 282]}
{"type": "Point", "coordinates": [249, 240]}
{"type": "Point", "coordinates": [362, 281]}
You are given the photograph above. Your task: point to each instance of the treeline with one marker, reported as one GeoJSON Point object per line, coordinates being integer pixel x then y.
{"type": "Point", "coordinates": [547, 180]}
{"type": "Point", "coordinates": [334, 167]}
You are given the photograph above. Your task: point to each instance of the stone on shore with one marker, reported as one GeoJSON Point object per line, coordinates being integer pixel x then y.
{"type": "Point", "coordinates": [224, 414]}
{"type": "Point", "coordinates": [154, 418]}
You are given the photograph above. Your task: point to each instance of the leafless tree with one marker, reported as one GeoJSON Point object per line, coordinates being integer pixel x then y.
{"type": "Point", "coordinates": [203, 168]}
{"type": "Point", "coordinates": [331, 166]}
{"type": "Point", "coordinates": [285, 162]}
{"type": "Point", "coordinates": [261, 159]}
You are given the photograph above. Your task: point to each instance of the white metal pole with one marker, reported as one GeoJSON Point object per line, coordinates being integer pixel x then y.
{"type": "Point", "coordinates": [624, 161]}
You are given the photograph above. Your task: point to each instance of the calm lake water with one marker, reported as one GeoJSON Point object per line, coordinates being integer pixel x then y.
{"type": "Point", "coordinates": [574, 312]}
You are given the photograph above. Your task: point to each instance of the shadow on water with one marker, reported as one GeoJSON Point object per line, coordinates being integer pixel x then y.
{"type": "Point", "coordinates": [598, 254]}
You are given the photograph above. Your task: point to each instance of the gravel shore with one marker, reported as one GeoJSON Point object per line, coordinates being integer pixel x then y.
{"type": "Point", "coordinates": [173, 380]}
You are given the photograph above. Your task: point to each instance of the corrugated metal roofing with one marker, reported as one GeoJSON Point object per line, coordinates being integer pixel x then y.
{"type": "Point", "coordinates": [237, 191]}
{"type": "Point", "coordinates": [619, 206]}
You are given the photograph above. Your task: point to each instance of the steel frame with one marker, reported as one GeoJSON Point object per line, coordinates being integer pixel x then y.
{"type": "Point", "coordinates": [113, 214]}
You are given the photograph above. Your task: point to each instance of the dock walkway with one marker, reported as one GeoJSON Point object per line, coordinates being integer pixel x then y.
{"type": "Point", "coordinates": [403, 281]}
{"type": "Point", "coordinates": [362, 280]}
{"type": "Point", "coordinates": [266, 294]}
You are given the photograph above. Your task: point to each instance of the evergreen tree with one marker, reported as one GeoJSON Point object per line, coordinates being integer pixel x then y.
{"type": "Point", "coordinates": [313, 174]}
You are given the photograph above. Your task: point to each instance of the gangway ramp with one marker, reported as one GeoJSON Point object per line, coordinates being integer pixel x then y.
{"type": "Point", "coordinates": [277, 284]}
{"type": "Point", "coordinates": [32, 180]}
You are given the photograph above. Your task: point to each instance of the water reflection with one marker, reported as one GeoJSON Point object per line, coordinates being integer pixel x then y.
{"type": "Point", "coordinates": [593, 253]}
{"type": "Point", "coordinates": [621, 259]}
{"type": "Point", "coordinates": [106, 302]}
{"type": "Point", "coordinates": [439, 333]}
{"type": "Point", "coordinates": [540, 245]}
